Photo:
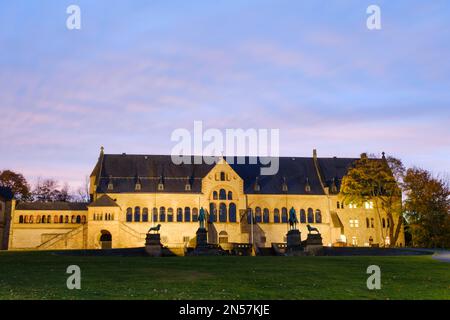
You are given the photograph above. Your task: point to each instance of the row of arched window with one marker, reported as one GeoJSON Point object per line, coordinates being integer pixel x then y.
{"type": "Point", "coordinates": [162, 215]}
{"type": "Point", "coordinates": [56, 219]}
{"type": "Point", "coordinates": [222, 194]}
{"type": "Point", "coordinates": [263, 215]}
{"type": "Point", "coordinates": [385, 223]}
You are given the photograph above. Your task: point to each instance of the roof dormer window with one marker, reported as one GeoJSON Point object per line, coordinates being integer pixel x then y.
{"type": "Point", "coordinates": [307, 186]}
{"type": "Point", "coordinates": [160, 186]}
{"type": "Point", "coordinates": [138, 187]}
{"type": "Point", "coordinates": [284, 186]}
{"type": "Point", "coordinates": [110, 184]}
{"type": "Point", "coordinates": [256, 186]}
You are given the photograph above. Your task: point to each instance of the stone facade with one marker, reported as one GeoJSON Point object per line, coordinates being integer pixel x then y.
{"type": "Point", "coordinates": [119, 216]}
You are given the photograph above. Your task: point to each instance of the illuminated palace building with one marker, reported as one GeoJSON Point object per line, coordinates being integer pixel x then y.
{"type": "Point", "coordinates": [131, 193]}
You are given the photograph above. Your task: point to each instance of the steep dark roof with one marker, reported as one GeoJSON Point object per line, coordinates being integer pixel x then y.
{"type": "Point", "coordinates": [6, 193]}
{"type": "Point", "coordinates": [124, 171]}
{"type": "Point", "coordinates": [52, 206]}
{"type": "Point", "coordinates": [104, 201]}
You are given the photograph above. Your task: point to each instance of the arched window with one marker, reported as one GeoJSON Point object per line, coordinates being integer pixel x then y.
{"type": "Point", "coordinates": [179, 215]}
{"type": "Point", "coordinates": [162, 214]}
{"type": "Point", "coordinates": [367, 223]}
{"type": "Point", "coordinates": [212, 212]}
{"type": "Point", "coordinates": [145, 215]}
{"type": "Point", "coordinates": [388, 222]}
{"type": "Point", "coordinates": [302, 216]}
{"type": "Point", "coordinates": [38, 219]}
{"type": "Point", "coordinates": [230, 195]}
{"type": "Point", "coordinates": [73, 219]}
{"type": "Point", "coordinates": [249, 215]}
{"type": "Point", "coordinates": [222, 212]}
{"type": "Point", "coordinates": [222, 176]}
{"type": "Point", "coordinates": [223, 237]}
{"type": "Point", "coordinates": [372, 225]}
{"type": "Point", "coordinates": [129, 215]}
{"type": "Point", "coordinates": [170, 215]}
{"type": "Point", "coordinates": [78, 219]}
{"type": "Point", "coordinates": [310, 215]}
{"type": "Point", "coordinates": [83, 219]}
{"type": "Point", "coordinates": [258, 217]}
{"type": "Point", "coordinates": [49, 219]}
{"type": "Point", "coordinates": [155, 214]}
{"type": "Point", "coordinates": [284, 216]}
{"type": "Point", "coordinates": [215, 195]}
{"type": "Point", "coordinates": [44, 219]}
{"type": "Point", "coordinates": [194, 215]}
{"type": "Point", "coordinates": [66, 219]}
{"type": "Point", "coordinates": [187, 214]}
{"type": "Point", "coordinates": [338, 205]}
{"type": "Point", "coordinates": [318, 216]}
{"type": "Point", "coordinates": [384, 223]}
{"type": "Point", "coordinates": [276, 216]}
{"type": "Point", "coordinates": [232, 212]}
{"type": "Point", "coordinates": [55, 219]}
{"type": "Point", "coordinates": [266, 215]}
{"type": "Point", "coordinates": [31, 220]}
{"type": "Point", "coordinates": [137, 214]}
{"type": "Point", "coordinates": [222, 194]}
{"type": "Point", "coordinates": [61, 219]}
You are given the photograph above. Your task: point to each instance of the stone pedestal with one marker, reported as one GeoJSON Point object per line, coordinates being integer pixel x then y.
{"type": "Point", "coordinates": [202, 238]}
{"type": "Point", "coordinates": [153, 245]}
{"type": "Point", "coordinates": [294, 243]}
{"type": "Point", "coordinates": [314, 245]}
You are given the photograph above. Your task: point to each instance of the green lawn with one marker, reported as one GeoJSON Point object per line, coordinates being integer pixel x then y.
{"type": "Point", "coordinates": [41, 275]}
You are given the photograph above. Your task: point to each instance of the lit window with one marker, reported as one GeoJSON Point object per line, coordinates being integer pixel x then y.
{"type": "Point", "coordinates": [354, 223]}
{"type": "Point", "coordinates": [368, 205]}
{"type": "Point", "coordinates": [160, 187]}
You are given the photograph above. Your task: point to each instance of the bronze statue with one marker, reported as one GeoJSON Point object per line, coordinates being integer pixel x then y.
{"type": "Point", "coordinates": [310, 229]}
{"type": "Point", "coordinates": [293, 219]}
{"type": "Point", "coordinates": [156, 229]}
{"type": "Point", "coordinates": [201, 218]}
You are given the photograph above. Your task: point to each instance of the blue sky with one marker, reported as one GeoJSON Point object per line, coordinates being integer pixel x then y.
{"type": "Point", "coordinates": [137, 70]}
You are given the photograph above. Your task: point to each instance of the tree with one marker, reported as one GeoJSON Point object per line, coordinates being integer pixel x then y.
{"type": "Point", "coordinates": [377, 181]}
{"type": "Point", "coordinates": [83, 192]}
{"type": "Point", "coordinates": [46, 190]}
{"type": "Point", "coordinates": [427, 208]}
{"type": "Point", "coordinates": [17, 183]}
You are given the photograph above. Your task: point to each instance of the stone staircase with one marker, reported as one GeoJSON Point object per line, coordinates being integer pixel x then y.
{"type": "Point", "coordinates": [52, 243]}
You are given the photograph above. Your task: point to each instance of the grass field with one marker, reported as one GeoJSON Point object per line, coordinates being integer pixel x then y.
{"type": "Point", "coordinates": [42, 275]}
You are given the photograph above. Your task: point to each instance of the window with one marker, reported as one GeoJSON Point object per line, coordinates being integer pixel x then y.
{"type": "Point", "coordinates": [372, 223]}
{"type": "Point", "coordinates": [368, 205]}
{"type": "Point", "coordinates": [160, 187]}
{"type": "Point", "coordinates": [284, 216]}
{"type": "Point", "coordinates": [110, 186]}
{"type": "Point", "coordinates": [222, 212]}
{"type": "Point", "coordinates": [49, 219]}
{"type": "Point", "coordinates": [137, 214]}
{"type": "Point", "coordinates": [276, 216]}
{"type": "Point", "coordinates": [342, 205]}
{"type": "Point", "coordinates": [318, 216]}
{"type": "Point", "coordinates": [137, 187]}
{"type": "Point", "coordinates": [230, 195]}
{"type": "Point", "coordinates": [38, 219]}
{"type": "Point", "coordinates": [83, 219]}
{"type": "Point", "coordinates": [367, 223]}
{"type": "Point", "coordinates": [388, 222]}
{"type": "Point", "coordinates": [257, 187]}
{"type": "Point", "coordinates": [222, 176]}
{"type": "Point", "coordinates": [354, 241]}
{"type": "Point", "coordinates": [212, 212]}
{"type": "Point", "coordinates": [61, 219]}
{"type": "Point", "coordinates": [170, 215]}
{"type": "Point", "coordinates": [258, 217]}
{"type": "Point", "coordinates": [129, 215]}
{"type": "Point", "coordinates": [215, 195]}
{"type": "Point", "coordinates": [338, 205]}
{"type": "Point", "coordinates": [384, 223]}
{"type": "Point", "coordinates": [354, 223]}
{"type": "Point", "coordinates": [187, 186]}
{"type": "Point", "coordinates": [232, 212]}
{"type": "Point", "coordinates": [352, 206]}
{"type": "Point", "coordinates": [179, 215]}
{"type": "Point", "coordinates": [186, 239]}
{"type": "Point", "coordinates": [266, 215]}
{"type": "Point", "coordinates": [285, 187]}
{"type": "Point", "coordinates": [55, 219]}
{"type": "Point", "coordinates": [194, 215]}
{"type": "Point", "coordinates": [78, 219]}
{"type": "Point", "coordinates": [155, 214]}
{"type": "Point", "coordinates": [302, 216]}
{"type": "Point", "coordinates": [66, 219]}
{"type": "Point", "coordinates": [310, 215]}
{"type": "Point", "coordinates": [162, 214]}
{"type": "Point", "coordinates": [222, 194]}
{"type": "Point", "coordinates": [31, 220]}
{"type": "Point", "coordinates": [145, 215]}
{"type": "Point", "coordinates": [187, 214]}
{"type": "Point", "coordinates": [223, 237]}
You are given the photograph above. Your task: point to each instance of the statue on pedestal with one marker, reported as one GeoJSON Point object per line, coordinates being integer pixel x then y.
{"type": "Point", "coordinates": [201, 218]}
{"type": "Point", "coordinates": [292, 219]}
